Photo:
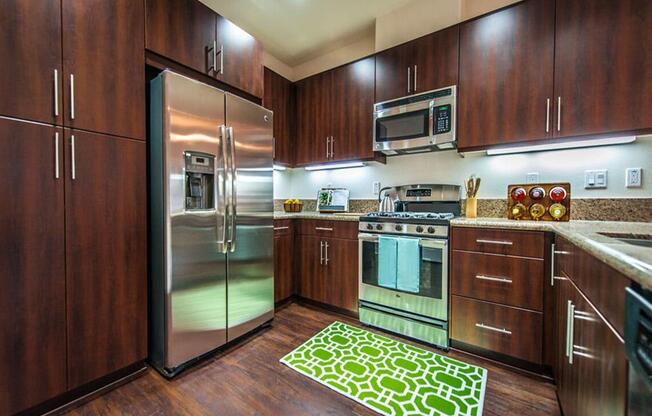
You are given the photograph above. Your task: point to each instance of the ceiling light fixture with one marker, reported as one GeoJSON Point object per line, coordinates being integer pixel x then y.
{"type": "Point", "coordinates": [342, 165]}
{"type": "Point", "coordinates": [561, 146]}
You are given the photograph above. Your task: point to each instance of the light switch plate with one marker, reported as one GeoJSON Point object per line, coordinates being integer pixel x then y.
{"type": "Point", "coordinates": [633, 177]}
{"type": "Point", "coordinates": [532, 177]}
{"type": "Point", "coordinates": [376, 187]}
{"type": "Point", "coordinates": [595, 179]}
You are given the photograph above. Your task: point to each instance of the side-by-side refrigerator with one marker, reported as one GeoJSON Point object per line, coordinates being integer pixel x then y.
{"type": "Point", "coordinates": [211, 211]}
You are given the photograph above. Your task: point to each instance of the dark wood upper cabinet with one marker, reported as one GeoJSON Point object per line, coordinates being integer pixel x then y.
{"type": "Point", "coordinates": [30, 52]}
{"type": "Point", "coordinates": [279, 96]}
{"type": "Point", "coordinates": [352, 110]}
{"type": "Point", "coordinates": [103, 51]}
{"type": "Point", "coordinates": [506, 76]}
{"type": "Point", "coordinates": [313, 119]}
{"type": "Point", "coordinates": [183, 31]}
{"type": "Point", "coordinates": [392, 77]}
{"type": "Point", "coordinates": [106, 255]}
{"type": "Point", "coordinates": [32, 299]}
{"type": "Point", "coordinates": [424, 64]}
{"type": "Point", "coordinates": [603, 68]}
{"type": "Point", "coordinates": [242, 61]}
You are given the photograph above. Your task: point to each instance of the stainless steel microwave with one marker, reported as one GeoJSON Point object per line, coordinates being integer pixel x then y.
{"type": "Point", "coordinates": [417, 123]}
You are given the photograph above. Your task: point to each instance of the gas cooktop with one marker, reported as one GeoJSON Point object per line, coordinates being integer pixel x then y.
{"type": "Point", "coordinates": [407, 216]}
{"type": "Point", "coordinates": [431, 224]}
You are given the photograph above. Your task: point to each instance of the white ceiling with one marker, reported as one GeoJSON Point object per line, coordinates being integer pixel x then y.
{"type": "Point", "coordinates": [296, 31]}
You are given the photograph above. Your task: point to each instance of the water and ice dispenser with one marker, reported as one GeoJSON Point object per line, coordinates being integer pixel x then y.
{"type": "Point", "coordinates": [200, 181]}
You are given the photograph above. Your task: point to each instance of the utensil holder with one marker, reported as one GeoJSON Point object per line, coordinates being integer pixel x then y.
{"type": "Point", "coordinates": [471, 208]}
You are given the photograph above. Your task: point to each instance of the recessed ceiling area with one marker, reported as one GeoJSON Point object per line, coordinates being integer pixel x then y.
{"type": "Point", "coordinates": [296, 31]}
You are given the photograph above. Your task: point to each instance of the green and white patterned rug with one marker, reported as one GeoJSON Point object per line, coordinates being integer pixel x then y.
{"type": "Point", "coordinates": [389, 376]}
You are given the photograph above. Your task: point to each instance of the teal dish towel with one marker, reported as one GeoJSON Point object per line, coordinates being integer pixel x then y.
{"type": "Point", "coordinates": [387, 248]}
{"type": "Point", "coordinates": [408, 265]}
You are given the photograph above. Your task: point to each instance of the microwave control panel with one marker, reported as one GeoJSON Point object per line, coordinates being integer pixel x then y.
{"type": "Point", "coordinates": [442, 119]}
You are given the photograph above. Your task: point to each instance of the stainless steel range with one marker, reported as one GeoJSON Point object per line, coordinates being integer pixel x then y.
{"type": "Point", "coordinates": [404, 263]}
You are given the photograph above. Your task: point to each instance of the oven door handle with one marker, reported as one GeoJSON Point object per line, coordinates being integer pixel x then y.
{"type": "Point", "coordinates": [423, 242]}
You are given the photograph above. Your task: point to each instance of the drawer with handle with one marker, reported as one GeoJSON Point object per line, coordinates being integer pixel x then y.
{"type": "Point", "coordinates": [334, 229]}
{"type": "Point", "coordinates": [282, 227]}
{"type": "Point", "coordinates": [503, 329]}
{"type": "Point", "coordinates": [514, 281]}
{"type": "Point", "coordinates": [507, 242]}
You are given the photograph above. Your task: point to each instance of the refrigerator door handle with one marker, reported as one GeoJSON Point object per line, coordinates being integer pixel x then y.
{"type": "Point", "coordinates": [222, 193]}
{"type": "Point", "coordinates": [234, 192]}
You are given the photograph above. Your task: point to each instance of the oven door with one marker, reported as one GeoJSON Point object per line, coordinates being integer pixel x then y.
{"type": "Point", "coordinates": [403, 127]}
{"type": "Point", "coordinates": [432, 299]}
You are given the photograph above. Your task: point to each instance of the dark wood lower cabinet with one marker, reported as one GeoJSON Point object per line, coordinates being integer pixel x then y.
{"type": "Point", "coordinates": [106, 254]}
{"type": "Point", "coordinates": [311, 269]}
{"type": "Point", "coordinates": [32, 274]}
{"type": "Point", "coordinates": [284, 260]}
{"type": "Point", "coordinates": [342, 274]}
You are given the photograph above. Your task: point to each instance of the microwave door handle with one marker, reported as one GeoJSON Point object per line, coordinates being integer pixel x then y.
{"type": "Point", "coordinates": [234, 189]}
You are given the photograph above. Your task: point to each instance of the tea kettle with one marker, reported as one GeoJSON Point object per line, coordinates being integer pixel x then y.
{"type": "Point", "coordinates": [386, 204]}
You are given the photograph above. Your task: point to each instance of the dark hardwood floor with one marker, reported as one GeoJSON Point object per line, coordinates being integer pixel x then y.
{"type": "Point", "coordinates": [247, 379]}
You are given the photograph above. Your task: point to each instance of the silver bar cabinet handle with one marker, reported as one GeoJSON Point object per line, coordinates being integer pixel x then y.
{"type": "Point", "coordinates": [214, 56]}
{"type": "Point", "coordinates": [559, 113]}
{"type": "Point", "coordinates": [408, 83]}
{"type": "Point", "coordinates": [547, 115]}
{"type": "Point", "coordinates": [327, 139]}
{"type": "Point", "coordinates": [493, 328]}
{"type": "Point", "coordinates": [56, 93]}
{"type": "Point", "coordinates": [493, 278]}
{"type": "Point", "coordinates": [72, 97]}
{"type": "Point", "coordinates": [222, 59]}
{"type": "Point", "coordinates": [281, 228]}
{"type": "Point", "coordinates": [72, 159]}
{"type": "Point", "coordinates": [326, 253]}
{"type": "Point", "coordinates": [56, 155]}
{"type": "Point", "coordinates": [332, 147]}
{"type": "Point", "coordinates": [498, 242]}
{"type": "Point", "coordinates": [323, 228]}
{"type": "Point", "coordinates": [415, 78]}
{"type": "Point", "coordinates": [321, 252]}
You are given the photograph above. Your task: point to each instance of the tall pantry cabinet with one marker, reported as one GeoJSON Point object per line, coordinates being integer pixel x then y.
{"type": "Point", "coordinates": [73, 309]}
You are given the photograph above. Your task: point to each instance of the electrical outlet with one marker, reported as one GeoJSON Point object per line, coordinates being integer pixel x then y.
{"type": "Point", "coordinates": [633, 177]}
{"type": "Point", "coordinates": [532, 177]}
{"type": "Point", "coordinates": [595, 179]}
{"type": "Point", "coordinates": [376, 187]}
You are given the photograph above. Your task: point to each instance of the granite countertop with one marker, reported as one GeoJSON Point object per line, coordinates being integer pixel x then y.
{"type": "Point", "coordinates": [313, 215]}
{"type": "Point", "coordinates": [632, 260]}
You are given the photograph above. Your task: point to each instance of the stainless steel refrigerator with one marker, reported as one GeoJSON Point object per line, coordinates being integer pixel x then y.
{"type": "Point", "coordinates": [211, 210]}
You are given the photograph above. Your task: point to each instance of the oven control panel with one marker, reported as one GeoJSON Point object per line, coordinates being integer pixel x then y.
{"type": "Point", "coordinates": [421, 230]}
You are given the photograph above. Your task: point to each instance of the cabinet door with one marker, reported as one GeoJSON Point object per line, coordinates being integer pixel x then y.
{"type": "Point", "coordinates": [279, 97]}
{"type": "Point", "coordinates": [32, 274]}
{"type": "Point", "coordinates": [103, 51]}
{"type": "Point", "coordinates": [603, 77]}
{"type": "Point", "coordinates": [242, 63]}
{"type": "Point", "coordinates": [283, 261]}
{"type": "Point", "coordinates": [506, 75]}
{"type": "Point", "coordinates": [311, 271]}
{"type": "Point", "coordinates": [106, 254]}
{"type": "Point", "coordinates": [392, 77]}
{"type": "Point", "coordinates": [313, 105]}
{"type": "Point", "coordinates": [352, 110]}
{"type": "Point", "coordinates": [341, 280]}
{"type": "Point", "coordinates": [30, 52]}
{"type": "Point", "coordinates": [436, 58]}
{"type": "Point", "coordinates": [183, 31]}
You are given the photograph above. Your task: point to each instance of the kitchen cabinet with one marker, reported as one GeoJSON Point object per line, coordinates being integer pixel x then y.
{"type": "Point", "coordinates": [32, 299]}
{"type": "Point", "coordinates": [602, 78]}
{"type": "Point", "coordinates": [103, 66]}
{"type": "Point", "coordinates": [279, 96]}
{"type": "Point", "coordinates": [335, 114]}
{"type": "Point", "coordinates": [241, 58]}
{"type": "Point", "coordinates": [183, 31]}
{"type": "Point", "coordinates": [427, 63]}
{"type": "Point", "coordinates": [31, 79]}
{"type": "Point", "coordinates": [591, 367]}
{"type": "Point", "coordinates": [329, 263]}
{"type": "Point", "coordinates": [106, 261]}
{"type": "Point", "coordinates": [284, 260]}
{"type": "Point", "coordinates": [506, 76]}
